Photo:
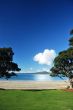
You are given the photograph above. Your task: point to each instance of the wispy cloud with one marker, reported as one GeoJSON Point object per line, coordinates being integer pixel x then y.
{"type": "Point", "coordinates": [34, 70]}
{"type": "Point", "coordinates": [28, 70]}
{"type": "Point", "coordinates": [47, 69]}
{"type": "Point", "coordinates": [46, 57]}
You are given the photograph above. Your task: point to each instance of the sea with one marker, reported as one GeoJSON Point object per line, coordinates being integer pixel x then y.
{"type": "Point", "coordinates": [34, 77]}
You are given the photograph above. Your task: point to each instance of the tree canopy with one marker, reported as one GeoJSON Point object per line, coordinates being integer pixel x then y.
{"type": "Point", "coordinates": [7, 66]}
{"type": "Point", "coordinates": [63, 63]}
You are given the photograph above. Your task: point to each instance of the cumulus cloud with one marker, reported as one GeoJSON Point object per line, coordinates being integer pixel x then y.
{"type": "Point", "coordinates": [46, 57]}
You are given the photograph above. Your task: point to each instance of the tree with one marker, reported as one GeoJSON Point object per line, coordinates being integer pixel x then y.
{"type": "Point", "coordinates": [63, 63]}
{"type": "Point", "coordinates": [7, 66]}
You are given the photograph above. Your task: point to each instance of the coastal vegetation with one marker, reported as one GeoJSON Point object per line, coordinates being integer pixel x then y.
{"type": "Point", "coordinates": [36, 100]}
{"type": "Point", "coordinates": [63, 63]}
{"type": "Point", "coordinates": [7, 66]}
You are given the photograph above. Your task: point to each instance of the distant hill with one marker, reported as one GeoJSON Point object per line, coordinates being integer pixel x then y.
{"type": "Point", "coordinates": [43, 72]}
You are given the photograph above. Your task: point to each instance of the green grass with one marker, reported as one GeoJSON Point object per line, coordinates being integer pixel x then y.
{"type": "Point", "coordinates": [36, 100]}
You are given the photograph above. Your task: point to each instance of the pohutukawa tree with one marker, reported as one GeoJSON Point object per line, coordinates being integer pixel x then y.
{"type": "Point", "coordinates": [7, 66]}
{"type": "Point", "coordinates": [63, 63]}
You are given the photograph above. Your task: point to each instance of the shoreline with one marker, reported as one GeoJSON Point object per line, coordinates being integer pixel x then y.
{"type": "Point", "coordinates": [28, 85]}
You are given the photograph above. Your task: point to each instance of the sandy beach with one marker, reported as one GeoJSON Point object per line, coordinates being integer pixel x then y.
{"type": "Point", "coordinates": [27, 85]}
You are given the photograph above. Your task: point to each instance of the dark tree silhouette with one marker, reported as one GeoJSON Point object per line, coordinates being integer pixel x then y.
{"type": "Point", "coordinates": [63, 63]}
{"type": "Point", "coordinates": [71, 39]}
{"type": "Point", "coordinates": [7, 66]}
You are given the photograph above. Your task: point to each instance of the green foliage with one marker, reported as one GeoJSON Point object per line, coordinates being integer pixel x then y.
{"type": "Point", "coordinates": [63, 63]}
{"type": "Point", "coordinates": [7, 66]}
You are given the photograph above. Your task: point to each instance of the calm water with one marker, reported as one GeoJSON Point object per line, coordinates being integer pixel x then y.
{"type": "Point", "coordinates": [34, 77]}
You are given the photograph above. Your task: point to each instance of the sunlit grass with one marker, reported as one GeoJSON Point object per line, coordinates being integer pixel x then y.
{"type": "Point", "coordinates": [36, 100]}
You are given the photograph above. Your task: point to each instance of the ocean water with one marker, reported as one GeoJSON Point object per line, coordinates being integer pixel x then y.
{"type": "Point", "coordinates": [33, 77]}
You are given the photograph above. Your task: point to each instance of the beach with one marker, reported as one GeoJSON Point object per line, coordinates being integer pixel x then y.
{"type": "Point", "coordinates": [28, 85]}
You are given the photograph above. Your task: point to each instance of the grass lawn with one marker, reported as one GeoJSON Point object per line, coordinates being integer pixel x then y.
{"type": "Point", "coordinates": [36, 100]}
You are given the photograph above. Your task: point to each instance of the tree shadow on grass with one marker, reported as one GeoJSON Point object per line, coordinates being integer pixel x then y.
{"type": "Point", "coordinates": [2, 89]}
{"type": "Point", "coordinates": [33, 90]}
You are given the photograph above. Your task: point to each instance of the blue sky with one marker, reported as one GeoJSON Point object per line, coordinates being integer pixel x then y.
{"type": "Point", "coordinates": [32, 26]}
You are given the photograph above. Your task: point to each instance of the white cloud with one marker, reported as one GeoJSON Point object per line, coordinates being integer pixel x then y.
{"type": "Point", "coordinates": [46, 57]}
{"type": "Point", "coordinates": [47, 69]}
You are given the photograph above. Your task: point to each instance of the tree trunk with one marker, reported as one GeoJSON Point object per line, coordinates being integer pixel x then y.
{"type": "Point", "coordinates": [71, 83]}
